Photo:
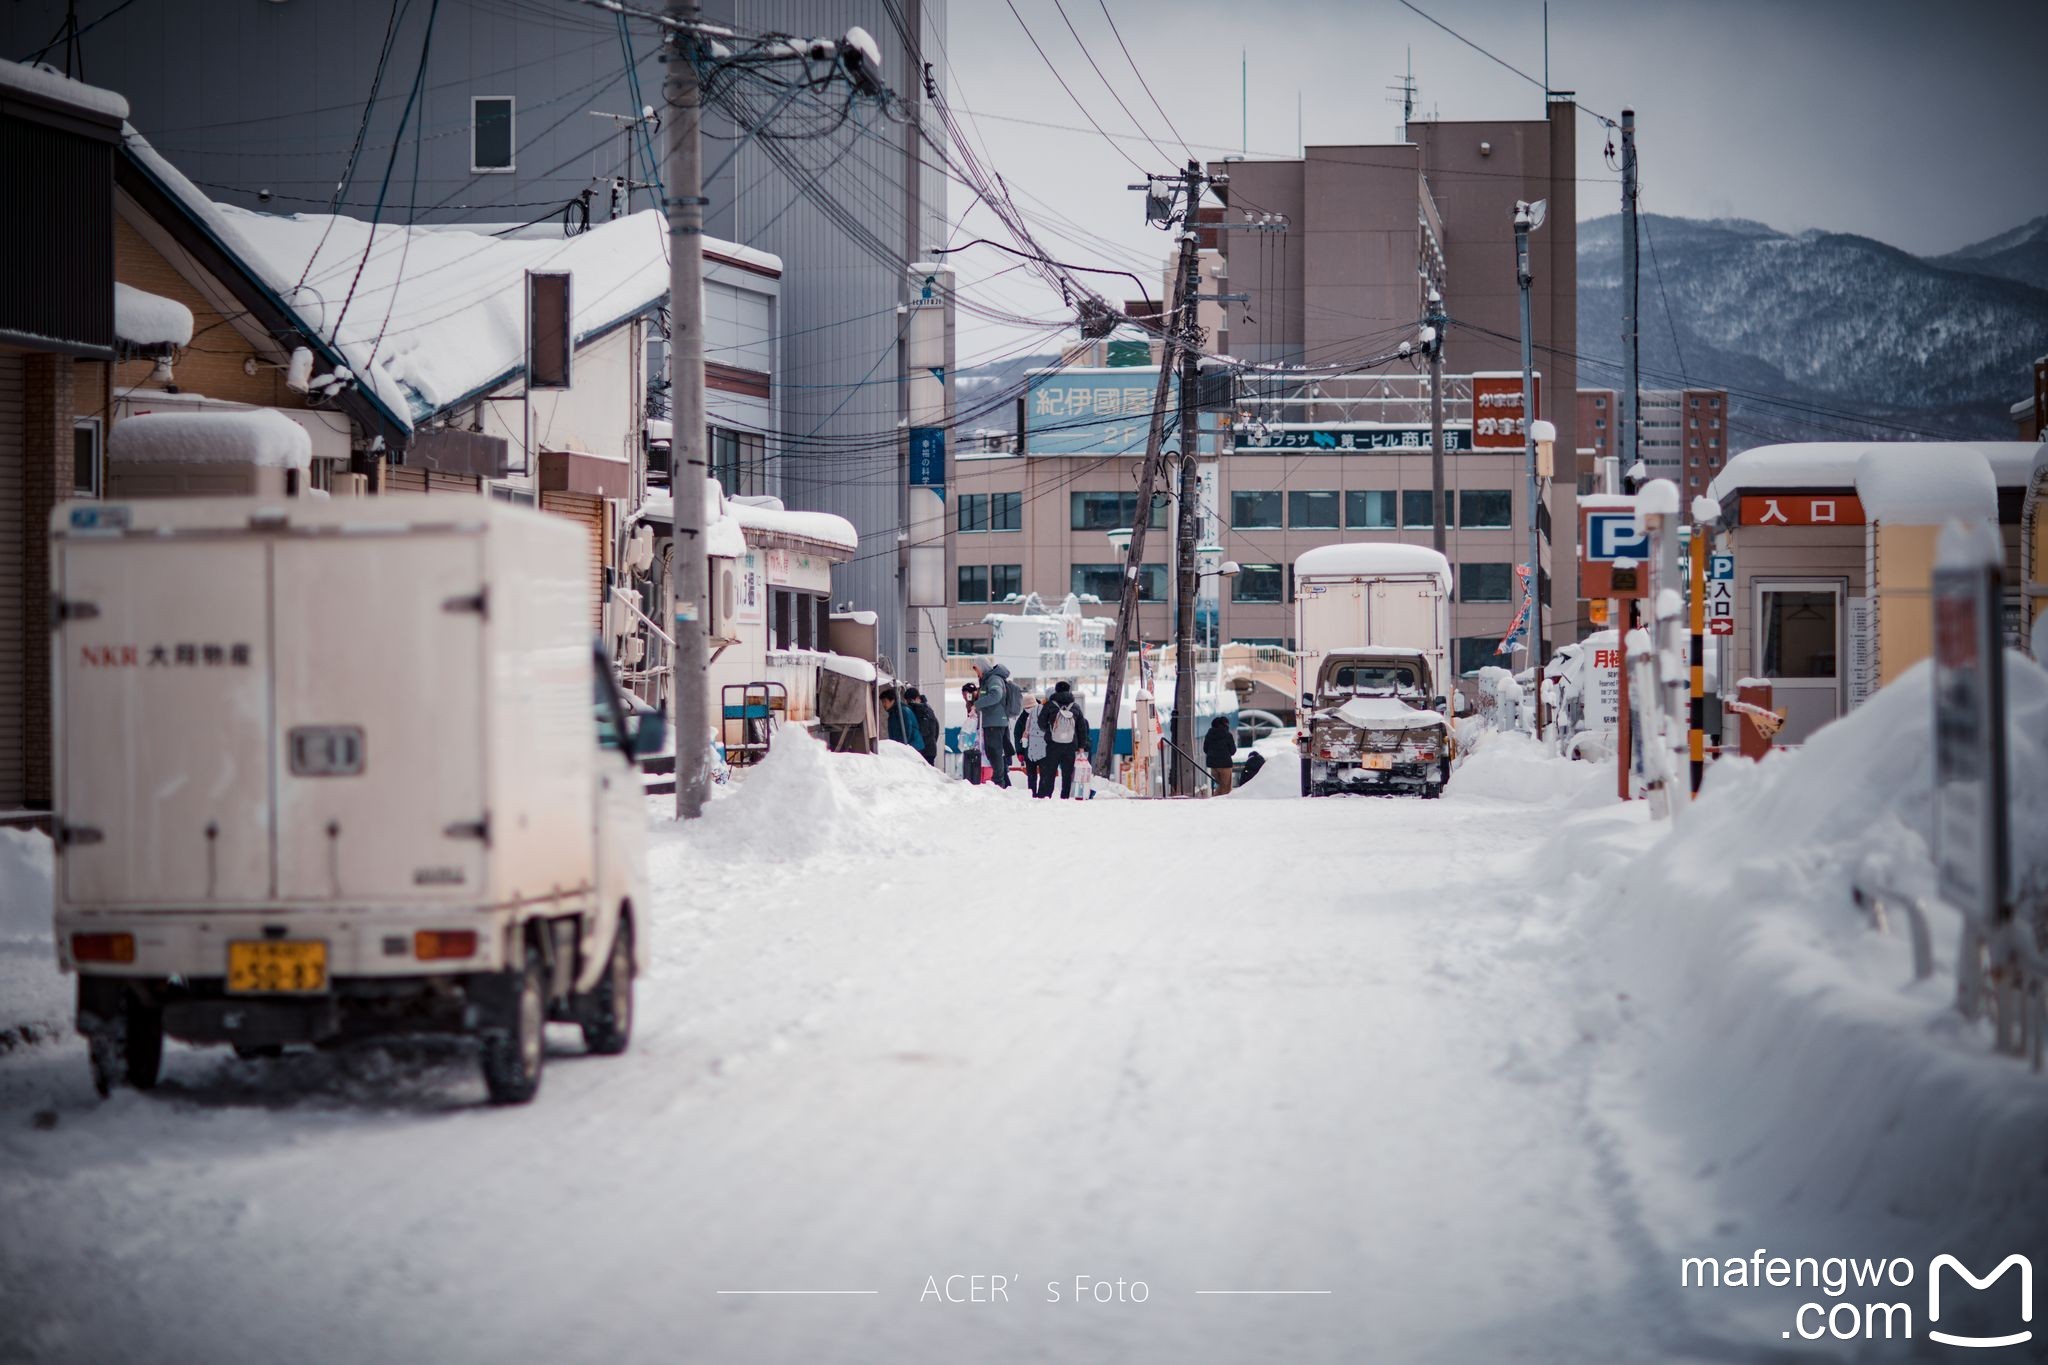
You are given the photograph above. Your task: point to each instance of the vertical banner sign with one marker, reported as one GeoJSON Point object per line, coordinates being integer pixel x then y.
{"type": "Point", "coordinates": [927, 457]}
{"type": "Point", "coordinates": [1721, 595]}
{"type": "Point", "coordinates": [1970, 833]}
{"type": "Point", "coordinates": [1861, 620]}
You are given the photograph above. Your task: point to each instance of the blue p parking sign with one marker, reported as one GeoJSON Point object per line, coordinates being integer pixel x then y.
{"type": "Point", "coordinates": [1613, 535]}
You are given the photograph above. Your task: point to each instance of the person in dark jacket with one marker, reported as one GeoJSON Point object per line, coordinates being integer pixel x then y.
{"type": "Point", "coordinates": [1219, 751]}
{"type": "Point", "coordinates": [1066, 734]}
{"type": "Point", "coordinates": [1251, 767]}
{"type": "Point", "coordinates": [992, 704]}
{"type": "Point", "coordinates": [900, 720]}
{"type": "Point", "coordinates": [928, 727]}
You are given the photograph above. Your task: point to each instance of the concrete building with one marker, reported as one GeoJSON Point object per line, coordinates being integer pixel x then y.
{"type": "Point", "coordinates": [1599, 422]}
{"type": "Point", "coordinates": [527, 112]}
{"type": "Point", "coordinates": [1684, 436]}
{"type": "Point", "coordinates": [1366, 229]}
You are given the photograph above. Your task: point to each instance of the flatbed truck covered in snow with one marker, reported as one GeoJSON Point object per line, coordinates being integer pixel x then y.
{"type": "Point", "coordinates": [338, 770]}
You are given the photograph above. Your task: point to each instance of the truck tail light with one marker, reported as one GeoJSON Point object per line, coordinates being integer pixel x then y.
{"type": "Point", "coordinates": [429, 944]}
{"type": "Point", "coordinates": [103, 947]}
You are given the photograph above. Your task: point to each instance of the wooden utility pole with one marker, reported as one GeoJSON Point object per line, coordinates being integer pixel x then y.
{"type": "Point", "coordinates": [683, 186]}
{"type": "Point", "coordinates": [1186, 562]}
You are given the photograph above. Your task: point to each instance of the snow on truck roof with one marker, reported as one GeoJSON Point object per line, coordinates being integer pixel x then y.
{"type": "Point", "coordinates": [1373, 557]}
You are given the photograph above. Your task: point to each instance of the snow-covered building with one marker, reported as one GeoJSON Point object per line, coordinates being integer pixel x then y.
{"type": "Point", "coordinates": [1834, 546]}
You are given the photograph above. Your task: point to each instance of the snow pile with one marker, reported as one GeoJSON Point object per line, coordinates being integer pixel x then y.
{"type": "Point", "coordinates": [260, 436]}
{"type": "Point", "coordinates": [35, 999]}
{"type": "Point", "coordinates": [1506, 765]}
{"type": "Point", "coordinates": [43, 81]}
{"type": "Point", "coordinates": [142, 319]}
{"type": "Point", "coordinates": [1733, 962]}
{"type": "Point", "coordinates": [803, 801]}
{"type": "Point", "coordinates": [1385, 713]}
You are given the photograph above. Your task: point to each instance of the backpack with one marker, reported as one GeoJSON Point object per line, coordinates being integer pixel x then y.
{"type": "Point", "coordinates": [1013, 698]}
{"type": "Point", "coordinates": [1062, 725]}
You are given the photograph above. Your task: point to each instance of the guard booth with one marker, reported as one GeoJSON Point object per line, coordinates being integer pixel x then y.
{"type": "Point", "coordinates": [1834, 555]}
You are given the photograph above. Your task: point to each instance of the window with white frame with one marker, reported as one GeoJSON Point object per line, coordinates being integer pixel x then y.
{"type": "Point", "coordinates": [490, 134]}
{"type": "Point", "coordinates": [88, 458]}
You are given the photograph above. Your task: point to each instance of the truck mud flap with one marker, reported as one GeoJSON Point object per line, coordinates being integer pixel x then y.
{"type": "Point", "coordinates": [253, 1023]}
{"type": "Point", "coordinates": [493, 1000]}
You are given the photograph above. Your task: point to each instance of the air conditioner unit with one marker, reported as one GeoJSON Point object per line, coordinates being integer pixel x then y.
{"type": "Point", "coordinates": [725, 588]}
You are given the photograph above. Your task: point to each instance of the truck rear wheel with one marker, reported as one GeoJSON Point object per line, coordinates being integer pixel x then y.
{"type": "Point", "coordinates": [607, 1012]}
{"type": "Point", "coordinates": [514, 1056]}
{"type": "Point", "coordinates": [129, 1049]}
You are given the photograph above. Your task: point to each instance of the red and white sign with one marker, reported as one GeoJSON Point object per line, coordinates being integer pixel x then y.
{"type": "Point", "coordinates": [1801, 509]}
{"type": "Point", "coordinates": [1497, 418]}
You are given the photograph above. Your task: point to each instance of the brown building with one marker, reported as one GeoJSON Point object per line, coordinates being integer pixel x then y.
{"type": "Point", "coordinates": [1684, 436]}
{"type": "Point", "coordinates": [1599, 434]}
{"type": "Point", "coordinates": [1336, 251]}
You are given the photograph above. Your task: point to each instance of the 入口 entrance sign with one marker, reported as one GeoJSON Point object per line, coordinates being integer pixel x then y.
{"type": "Point", "coordinates": [1721, 594]}
{"type": "Point", "coordinates": [1801, 509]}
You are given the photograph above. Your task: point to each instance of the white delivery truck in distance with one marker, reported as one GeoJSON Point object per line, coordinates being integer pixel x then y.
{"type": "Point", "coordinates": [1372, 637]}
{"type": "Point", "coordinates": [336, 771]}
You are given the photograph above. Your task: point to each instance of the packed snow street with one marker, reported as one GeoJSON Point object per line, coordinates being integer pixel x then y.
{"type": "Point", "coordinates": [775, 683]}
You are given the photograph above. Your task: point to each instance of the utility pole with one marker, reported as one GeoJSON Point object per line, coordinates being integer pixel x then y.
{"type": "Point", "coordinates": [683, 179]}
{"type": "Point", "coordinates": [1148, 487]}
{"type": "Point", "coordinates": [1631, 313]}
{"type": "Point", "coordinates": [1186, 563]}
{"type": "Point", "coordinates": [1436, 320]}
{"type": "Point", "coordinates": [1529, 217]}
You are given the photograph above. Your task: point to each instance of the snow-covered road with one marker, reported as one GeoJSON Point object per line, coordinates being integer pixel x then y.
{"type": "Point", "coordinates": [1244, 1045]}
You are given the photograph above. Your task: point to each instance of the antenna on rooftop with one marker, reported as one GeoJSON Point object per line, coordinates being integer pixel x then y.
{"type": "Point", "coordinates": [1404, 86]}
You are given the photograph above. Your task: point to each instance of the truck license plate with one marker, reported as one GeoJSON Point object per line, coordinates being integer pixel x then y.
{"type": "Point", "coordinates": [1378, 762]}
{"type": "Point", "coordinates": [277, 966]}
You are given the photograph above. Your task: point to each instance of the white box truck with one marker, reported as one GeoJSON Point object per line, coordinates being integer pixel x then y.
{"type": "Point", "coordinates": [339, 771]}
{"type": "Point", "coordinates": [1372, 640]}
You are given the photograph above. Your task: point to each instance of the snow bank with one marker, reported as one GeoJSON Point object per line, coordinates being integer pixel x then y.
{"type": "Point", "coordinates": [143, 319]}
{"type": "Point", "coordinates": [803, 802]}
{"type": "Point", "coordinates": [35, 999]}
{"type": "Point", "coordinates": [1507, 765]}
{"type": "Point", "coordinates": [1763, 1030]}
{"type": "Point", "coordinates": [260, 436]}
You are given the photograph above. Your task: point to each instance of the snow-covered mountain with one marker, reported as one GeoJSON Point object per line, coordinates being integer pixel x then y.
{"type": "Point", "coordinates": [1820, 334]}
{"type": "Point", "coordinates": [2021, 254]}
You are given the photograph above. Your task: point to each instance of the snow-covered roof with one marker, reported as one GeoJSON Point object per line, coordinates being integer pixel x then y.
{"type": "Point", "coordinates": [847, 666]}
{"type": "Point", "coordinates": [1898, 484]}
{"type": "Point", "coordinates": [143, 319]}
{"type": "Point", "coordinates": [42, 83]}
{"type": "Point", "coordinates": [859, 618]}
{"type": "Point", "coordinates": [1373, 557]}
{"type": "Point", "coordinates": [660, 429]}
{"type": "Point", "coordinates": [256, 437]}
{"type": "Point", "coordinates": [821, 527]}
{"type": "Point", "coordinates": [1832, 464]}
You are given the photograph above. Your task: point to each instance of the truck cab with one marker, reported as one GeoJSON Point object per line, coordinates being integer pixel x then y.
{"type": "Point", "coordinates": [1374, 723]}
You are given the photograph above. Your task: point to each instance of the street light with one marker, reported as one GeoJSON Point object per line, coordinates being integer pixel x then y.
{"type": "Point", "coordinates": [1529, 217]}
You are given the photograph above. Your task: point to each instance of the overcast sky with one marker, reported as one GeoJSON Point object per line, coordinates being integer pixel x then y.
{"type": "Point", "coordinates": [1917, 122]}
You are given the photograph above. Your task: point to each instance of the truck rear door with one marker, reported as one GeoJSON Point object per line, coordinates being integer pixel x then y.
{"type": "Point", "coordinates": [1404, 614]}
{"type": "Point", "coordinates": [1330, 615]}
{"type": "Point", "coordinates": [163, 741]}
{"type": "Point", "coordinates": [380, 695]}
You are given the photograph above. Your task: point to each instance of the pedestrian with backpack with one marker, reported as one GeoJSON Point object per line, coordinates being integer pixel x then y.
{"type": "Point", "coordinates": [992, 708]}
{"type": "Point", "coordinates": [1066, 733]}
{"type": "Point", "coordinates": [930, 732]}
{"type": "Point", "coordinates": [970, 736]}
{"type": "Point", "coordinates": [901, 721]}
{"type": "Point", "coordinates": [1030, 741]}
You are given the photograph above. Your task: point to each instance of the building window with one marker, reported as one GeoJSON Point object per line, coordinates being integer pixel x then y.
{"type": "Point", "coordinates": [964, 646]}
{"type": "Point", "coordinates": [1369, 509]}
{"type": "Point", "coordinates": [1416, 507]}
{"type": "Point", "coordinates": [1485, 508]}
{"type": "Point", "coordinates": [739, 461]}
{"type": "Point", "coordinates": [513, 493]}
{"type": "Point", "coordinates": [1103, 582]}
{"type": "Point", "coordinates": [973, 513]}
{"type": "Point", "coordinates": [1479, 651]}
{"type": "Point", "coordinates": [1005, 581]}
{"type": "Point", "coordinates": [1600, 404]}
{"type": "Point", "coordinates": [88, 458]}
{"type": "Point", "coordinates": [971, 583]}
{"type": "Point", "coordinates": [1484, 582]}
{"type": "Point", "coordinates": [1252, 510]}
{"type": "Point", "coordinates": [1312, 511]}
{"type": "Point", "coordinates": [1257, 583]}
{"type": "Point", "coordinates": [490, 133]}
{"type": "Point", "coordinates": [1600, 424]}
{"type": "Point", "coordinates": [1108, 511]}
{"type": "Point", "coordinates": [1006, 511]}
